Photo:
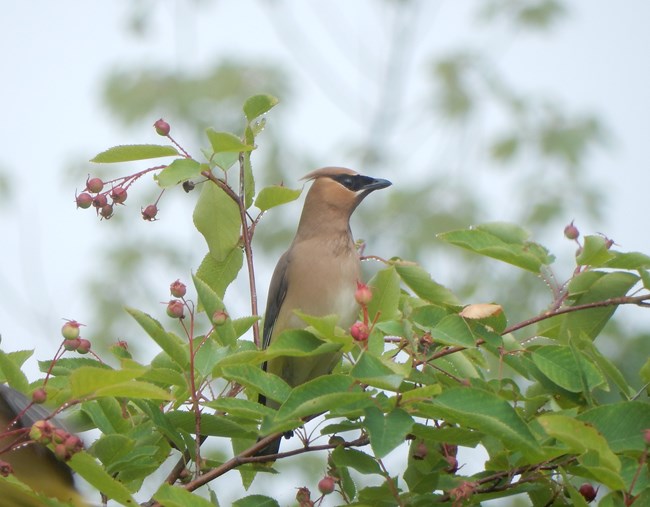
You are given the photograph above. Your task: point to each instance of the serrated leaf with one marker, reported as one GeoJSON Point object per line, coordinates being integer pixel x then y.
{"type": "Point", "coordinates": [216, 216]}
{"type": "Point", "coordinates": [226, 142]}
{"type": "Point", "coordinates": [12, 373]}
{"type": "Point", "coordinates": [595, 252]}
{"type": "Point", "coordinates": [175, 496]}
{"type": "Point", "coordinates": [130, 152]}
{"type": "Point", "coordinates": [581, 438]}
{"type": "Point", "coordinates": [453, 330]}
{"type": "Point", "coordinates": [357, 460]}
{"type": "Point", "coordinates": [385, 295]}
{"type": "Point", "coordinates": [628, 260]}
{"type": "Point", "coordinates": [218, 275]}
{"type": "Point", "coordinates": [211, 303]}
{"type": "Point", "coordinates": [269, 385]}
{"type": "Point", "coordinates": [564, 368]}
{"type": "Point", "coordinates": [270, 197]}
{"type": "Point", "coordinates": [387, 431]}
{"type": "Point", "coordinates": [372, 371]}
{"type": "Point", "coordinates": [171, 344]}
{"type": "Point", "coordinates": [241, 408]}
{"type": "Point", "coordinates": [258, 105]}
{"type": "Point", "coordinates": [424, 287]}
{"type": "Point", "coordinates": [93, 473]}
{"type": "Point", "coordinates": [484, 411]}
{"type": "Point", "coordinates": [622, 424]}
{"type": "Point", "coordinates": [178, 171]}
{"type": "Point", "coordinates": [98, 382]}
{"type": "Point", "coordinates": [505, 242]}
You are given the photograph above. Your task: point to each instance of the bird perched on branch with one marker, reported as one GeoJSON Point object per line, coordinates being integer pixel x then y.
{"type": "Point", "coordinates": [33, 463]}
{"type": "Point", "coordinates": [318, 275]}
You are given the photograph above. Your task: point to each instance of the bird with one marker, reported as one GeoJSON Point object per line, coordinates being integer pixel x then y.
{"type": "Point", "coordinates": [33, 463]}
{"type": "Point", "coordinates": [318, 274]}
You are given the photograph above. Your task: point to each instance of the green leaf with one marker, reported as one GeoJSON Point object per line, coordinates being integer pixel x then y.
{"type": "Point", "coordinates": [211, 425]}
{"type": "Point", "coordinates": [505, 242]}
{"type": "Point", "coordinates": [239, 407]}
{"type": "Point", "coordinates": [12, 373]}
{"type": "Point", "coordinates": [424, 287]}
{"type": "Point", "coordinates": [484, 411]}
{"type": "Point", "coordinates": [568, 370]}
{"type": "Point", "coordinates": [218, 275]}
{"type": "Point", "coordinates": [270, 197]}
{"type": "Point", "coordinates": [224, 160]}
{"type": "Point", "coordinates": [373, 371]}
{"type": "Point", "coordinates": [256, 501]}
{"type": "Point", "coordinates": [320, 395]}
{"type": "Point", "coordinates": [358, 460]}
{"type": "Point", "coordinates": [127, 153]}
{"type": "Point", "coordinates": [100, 382]}
{"type": "Point", "coordinates": [590, 287]}
{"type": "Point", "coordinates": [179, 170]}
{"type": "Point", "coordinates": [216, 216]}
{"type": "Point", "coordinates": [269, 385]}
{"type": "Point", "coordinates": [211, 303]}
{"type": "Point", "coordinates": [175, 496]}
{"type": "Point", "coordinates": [595, 252]}
{"type": "Point", "coordinates": [93, 473]}
{"type": "Point", "coordinates": [385, 295]}
{"type": "Point", "coordinates": [249, 177]}
{"type": "Point", "coordinates": [226, 142]}
{"type": "Point", "coordinates": [388, 431]}
{"type": "Point", "coordinates": [298, 343]}
{"type": "Point", "coordinates": [170, 343]}
{"type": "Point", "coordinates": [581, 438]}
{"type": "Point", "coordinates": [622, 424]}
{"type": "Point", "coordinates": [258, 105]}
{"type": "Point", "coordinates": [628, 260]}
{"type": "Point", "coordinates": [453, 330]}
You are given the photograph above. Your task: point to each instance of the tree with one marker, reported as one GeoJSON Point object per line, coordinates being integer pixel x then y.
{"type": "Point", "coordinates": [428, 377]}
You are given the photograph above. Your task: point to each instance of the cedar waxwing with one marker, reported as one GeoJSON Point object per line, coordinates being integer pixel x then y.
{"type": "Point", "coordinates": [34, 464]}
{"type": "Point", "coordinates": [318, 275]}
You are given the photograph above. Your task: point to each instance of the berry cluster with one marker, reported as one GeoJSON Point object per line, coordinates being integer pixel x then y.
{"type": "Point", "coordinates": [65, 444]}
{"type": "Point", "coordinates": [72, 340]}
{"type": "Point", "coordinates": [360, 330]}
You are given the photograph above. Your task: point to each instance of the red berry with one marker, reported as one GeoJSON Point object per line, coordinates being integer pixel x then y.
{"type": "Point", "coordinates": [177, 289]}
{"type": "Point", "coordinates": [70, 330]}
{"type": "Point", "coordinates": [6, 469]}
{"type": "Point", "coordinates": [100, 201]}
{"type": "Point", "coordinates": [363, 294]}
{"type": "Point", "coordinates": [571, 231]}
{"type": "Point", "coordinates": [71, 344]}
{"type": "Point", "coordinates": [588, 492]}
{"type": "Point", "coordinates": [150, 212]}
{"type": "Point", "coordinates": [326, 485]}
{"type": "Point", "coordinates": [59, 436]}
{"type": "Point", "coordinates": [94, 185]}
{"type": "Point", "coordinates": [453, 464]}
{"type": "Point", "coordinates": [162, 127]}
{"type": "Point", "coordinates": [61, 452]}
{"type": "Point", "coordinates": [39, 396]}
{"type": "Point", "coordinates": [219, 317]}
{"type": "Point", "coordinates": [84, 346]}
{"type": "Point", "coordinates": [73, 443]}
{"type": "Point", "coordinates": [421, 451]}
{"type": "Point", "coordinates": [303, 497]}
{"type": "Point", "coordinates": [176, 309]}
{"type": "Point", "coordinates": [84, 200]}
{"type": "Point", "coordinates": [118, 194]}
{"type": "Point", "coordinates": [106, 211]}
{"type": "Point", "coordinates": [646, 436]}
{"type": "Point", "coordinates": [359, 331]}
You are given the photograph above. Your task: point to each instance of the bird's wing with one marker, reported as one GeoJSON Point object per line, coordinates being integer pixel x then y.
{"type": "Point", "coordinates": [277, 293]}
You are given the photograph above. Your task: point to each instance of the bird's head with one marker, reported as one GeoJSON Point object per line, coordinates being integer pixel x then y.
{"type": "Point", "coordinates": [340, 188]}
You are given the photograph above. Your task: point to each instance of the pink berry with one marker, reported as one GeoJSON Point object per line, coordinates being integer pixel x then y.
{"type": "Point", "coordinates": [118, 194]}
{"type": "Point", "coordinates": [646, 436]}
{"type": "Point", "coordinates": [588, 492]}
{"type": "Point", "coordinates": [360, 331]}
{"type": "Point", "coordinates": [84, 346]}
{"type": "Point", "coordinates": [72, 344]}
{"type": "Point", "coordinates": [84, 200]}
{"type": "Point", "coordinates": [571, 231]}
{"type": "Point", "coordinates": [326, 485]}
{"type": "Point", "coordinates": [177, 289]}
{"type": "Point", "coordinates": [94, 185]}
{"type": "Point", "coordinates": [150, 212]}
{"type": "Point", "coordinates": [106, 211]}
{"type": "Point", "coordinates": [100, 201]}
{"type": "Point", "coordinates": [70, 330]}
{"type": "Point", "coordinates": [162, 127]}
{"type": "Point", "coordinates": [41, 432]}
{"type": "Point", "coordinates": [61, 452]}
{"type": "Point", "coordinates": [176, 309]}
{"type": "Point", "coordinates": [39, 396]}
{"type": "Point", "coordinates": [219, 317]}
{"type": "Point", "coordinates": [421, 451]}
{"type": "Point", "coordinates": [363, 294]}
